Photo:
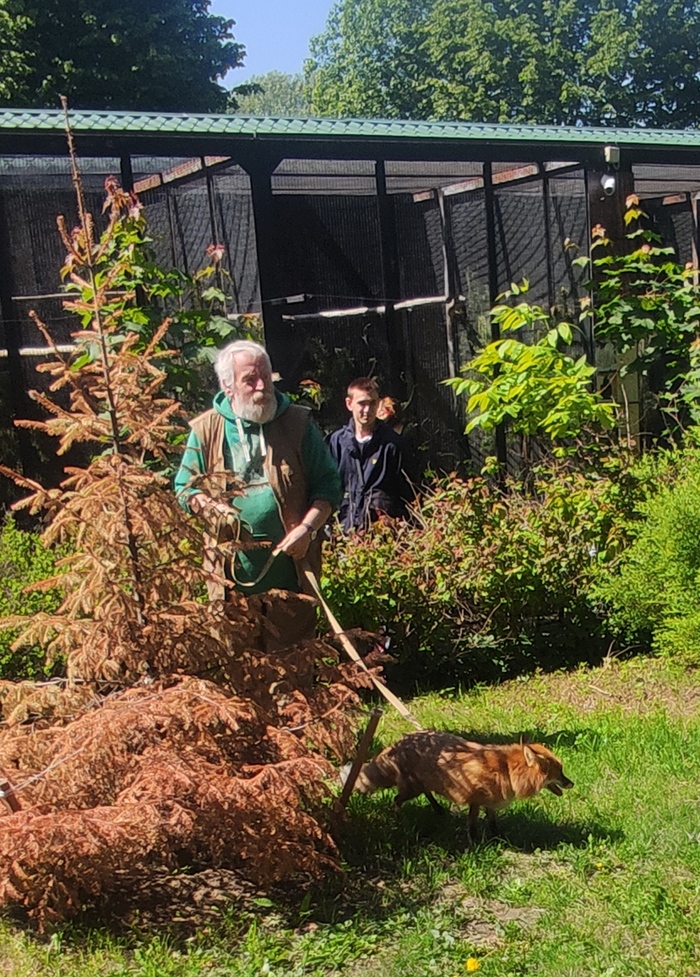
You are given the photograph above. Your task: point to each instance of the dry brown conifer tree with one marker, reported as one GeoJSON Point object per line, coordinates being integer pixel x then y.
{"type": "Point", "coordinates": [172, 741]}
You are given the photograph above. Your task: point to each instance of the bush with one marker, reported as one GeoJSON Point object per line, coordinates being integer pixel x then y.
{"type": "Point", "coordinates": [486, 582]}
{"type": "Point", "coordinates": [652, 591]}
{"type": "Point", "coordinates": [23, 561]}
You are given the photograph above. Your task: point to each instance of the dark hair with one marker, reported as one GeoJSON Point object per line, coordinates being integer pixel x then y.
{"type": "Point", "coordinates": [364, 384]}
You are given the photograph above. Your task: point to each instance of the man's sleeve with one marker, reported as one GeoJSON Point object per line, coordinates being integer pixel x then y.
{"type": "Point", "coordinates": [331, 440]}
{"type": "Point", "coordinates": [191, 466]}
{"type": "Point", "coordinates": [322, 475]}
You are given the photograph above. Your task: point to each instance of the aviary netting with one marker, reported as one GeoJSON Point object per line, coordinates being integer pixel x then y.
{"type": "Point", "coordinates": [173, 740]}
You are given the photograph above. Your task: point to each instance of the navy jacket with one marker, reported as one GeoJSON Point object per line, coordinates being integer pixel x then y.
{"type": "Point", "coordinates": [379, 476]}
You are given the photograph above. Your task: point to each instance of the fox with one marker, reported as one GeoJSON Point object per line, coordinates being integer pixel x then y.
{"type": "Point", "coordinates": [465, 772]}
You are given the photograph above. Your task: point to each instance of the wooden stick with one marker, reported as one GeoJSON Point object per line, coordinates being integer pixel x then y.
{"type": "Point", "coordinates": [7, 794]}
{"type": "Point", "coordinates": [353, 653]}
{"type": "Point", "coordinates": [361, 755]}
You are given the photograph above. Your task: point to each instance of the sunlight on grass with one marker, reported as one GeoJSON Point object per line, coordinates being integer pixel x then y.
{"type": "Point", "coordinates": [603, 881]}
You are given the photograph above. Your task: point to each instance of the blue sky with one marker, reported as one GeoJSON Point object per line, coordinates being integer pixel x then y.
{"type": "Point", "coordinates": [275, 32]}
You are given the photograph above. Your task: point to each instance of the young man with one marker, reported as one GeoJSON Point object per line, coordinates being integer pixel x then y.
{"type": "Point", "coordinates": [285, 483]}
{"type": "Point", "coordinates": [377, 469]}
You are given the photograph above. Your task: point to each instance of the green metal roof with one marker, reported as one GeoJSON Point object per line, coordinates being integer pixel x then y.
{"type": "Point", "coordinates": [175, 124]}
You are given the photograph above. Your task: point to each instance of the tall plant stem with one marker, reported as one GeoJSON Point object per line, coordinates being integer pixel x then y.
{"type": "Point", "coordinates": [117, 445]}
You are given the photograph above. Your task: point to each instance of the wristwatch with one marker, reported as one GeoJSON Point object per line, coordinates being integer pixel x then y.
{"type": "Point", "coordinates": [313, 533]}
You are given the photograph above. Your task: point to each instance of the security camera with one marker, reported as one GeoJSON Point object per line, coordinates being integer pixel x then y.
{"type": "Point", "coordinates": [607, 182]}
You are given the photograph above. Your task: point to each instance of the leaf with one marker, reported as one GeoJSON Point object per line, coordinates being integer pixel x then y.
{"type": "Point", "coordinates": [214, 294]}
{"type": "Point", "coordinates": [565, 331]}
{"type": "Point", "coordinates": [81, 361]}
{"type": "Point", "coordinates": [221, 326]}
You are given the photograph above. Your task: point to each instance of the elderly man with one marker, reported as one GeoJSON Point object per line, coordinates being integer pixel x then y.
{"type": "Point", "coordinates": [377, 467]}
{"type": "Point", "coordinates": [285, 483]}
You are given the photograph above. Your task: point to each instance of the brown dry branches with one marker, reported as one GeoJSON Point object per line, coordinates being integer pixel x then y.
{"type": "Point", "coordinates": [183, 743]}
{"type": "Point", "coordinates": [152, 778]}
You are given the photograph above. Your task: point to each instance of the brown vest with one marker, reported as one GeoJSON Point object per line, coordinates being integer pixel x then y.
{"type": "Point", "coordinates": [284, 469]}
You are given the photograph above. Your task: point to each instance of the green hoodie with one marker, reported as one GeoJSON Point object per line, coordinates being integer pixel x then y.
{"type": "Point", "coordinates": [258, 506]}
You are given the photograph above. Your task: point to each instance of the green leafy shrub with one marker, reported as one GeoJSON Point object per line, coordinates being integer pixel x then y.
{"type": "Point", "coordinates": [486, 582]}
{"type": "Point", "coordinates": [647, 306]}
{"type": "Point", "coordinates": [647, 303]}
{"type": "Point", "coordinates": [23, 561]}
{"type": "Point", "coordinates": [652, 590]}
{"type": "Point", "coordinates": [535, 387]}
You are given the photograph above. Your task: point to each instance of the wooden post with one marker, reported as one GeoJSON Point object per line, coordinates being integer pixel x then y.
{"type": "Point", "coordinates": [127, 173]}
{"type": "Point", "coordinates": [285, 341]}
{"type": "Point", "coordinates": [490, 204]}
{"type": "Point", "coordinates": [608, 210]}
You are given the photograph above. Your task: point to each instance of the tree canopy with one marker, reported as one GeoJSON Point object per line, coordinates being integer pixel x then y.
{"type": "Point", "coordinates": [590, 62]}
{"type": "Point", "coordinates": [274, 93]}
{"type": "Point", "coordinates": [160, 55]}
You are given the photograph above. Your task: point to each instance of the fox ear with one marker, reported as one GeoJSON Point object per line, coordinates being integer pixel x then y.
{"type": "Point", "coordinates": [530, 756]}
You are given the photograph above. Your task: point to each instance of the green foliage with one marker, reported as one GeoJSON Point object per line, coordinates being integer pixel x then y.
{"type": "Point", "coordinates": [369, 62]}
{"type": "Point", "coordinates": [149, 55]}
{"type": "Point", "coordinates": [648, 306]}
{"type": "Point", "coordinates": [23, 561]}
{"type": "Point", "coordinates": [14, 61]}
{"type": "Point", "coordinates": [652, 590]}
{"type": "Point", "coordinates": [196, 306]}
{"type": "Point", "coordinates": [574, 62]}
{"type": "Point", "coordinates": [274, 93]}
{"type": "Point", "coordinates": [484, 582]}
{"type": "Point", "coordinates": [536, 387]}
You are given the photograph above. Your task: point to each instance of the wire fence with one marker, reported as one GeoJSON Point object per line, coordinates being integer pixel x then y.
{"type": "Point", "coordinates": [392, 278]}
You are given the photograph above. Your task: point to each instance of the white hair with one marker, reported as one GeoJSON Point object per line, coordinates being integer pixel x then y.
{"type": "Point", "coordinates": [224, 365]}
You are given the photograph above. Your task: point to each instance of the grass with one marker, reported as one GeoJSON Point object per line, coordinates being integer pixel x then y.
{"type": "Point", "coordinates": [603, 881]}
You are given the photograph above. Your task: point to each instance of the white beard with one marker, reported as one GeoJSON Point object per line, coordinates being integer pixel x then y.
{"type": "Point", "coordinates": [257, 413]}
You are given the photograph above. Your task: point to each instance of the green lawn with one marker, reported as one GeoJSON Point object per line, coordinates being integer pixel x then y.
{"type": "Point", "coordinates": [603, 881]}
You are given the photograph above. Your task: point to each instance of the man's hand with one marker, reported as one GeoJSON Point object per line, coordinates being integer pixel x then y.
{"type": "Point", "coordinates": [218, 514]}
{"type": "Point", "coordinates": [296, 542]}
{"type": "Point", "coordinates": [203, 505]}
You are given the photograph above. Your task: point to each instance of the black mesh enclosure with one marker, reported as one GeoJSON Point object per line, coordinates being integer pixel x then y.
{"type": "Point", "coordinates": [521, 240]}
{"type": "Point", "coordinates": [668, 194]}
{"type": "Point", "coordinates": [185, 216]}
{"type": "Point", "coordinates": [33, 193]}
{"type": "Point", "coordinates": [234, 227]}
{"type": "Point", "coordinates": [437, 418]}
{"type": "Point", "coordinates": [328, 250]}
{"type": "Point", "coordinates": [675, 223]}
{"type": "Point", "coordinates": [568, 239]}
{"type": "Point", "coordinates": [360, 265]}
{"type": "Point", "coordinates": [419, 229]}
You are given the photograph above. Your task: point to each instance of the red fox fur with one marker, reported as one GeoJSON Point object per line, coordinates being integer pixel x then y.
{"type": "Point", "coordinates": [477, 774]}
